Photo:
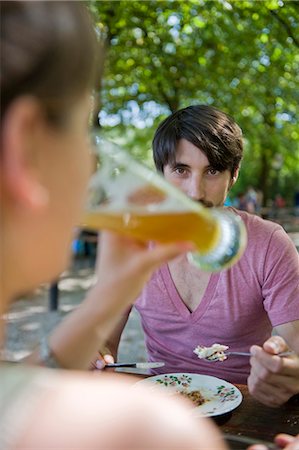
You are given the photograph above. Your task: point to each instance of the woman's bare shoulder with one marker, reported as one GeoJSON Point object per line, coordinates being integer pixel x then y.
{"type": "Point", "coordinates": [93, 410]}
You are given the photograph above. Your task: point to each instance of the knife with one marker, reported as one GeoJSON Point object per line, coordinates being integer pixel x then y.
{"type": "Point", "coordinates": [137, 365]}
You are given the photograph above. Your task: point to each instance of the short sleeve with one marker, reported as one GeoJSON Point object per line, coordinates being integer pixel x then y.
{"type": "Point", "coordinates": [280, 287]}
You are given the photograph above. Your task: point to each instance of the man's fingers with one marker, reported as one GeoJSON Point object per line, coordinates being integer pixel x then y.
{"type": "Point", "coordinates": [267, 394]}
{"type": "Point", "coordinates": [275, 345]}
{"type": "Point", "coordinates": [273, 364]}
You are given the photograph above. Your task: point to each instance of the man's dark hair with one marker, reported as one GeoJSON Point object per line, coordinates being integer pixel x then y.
{"type": "Point", "coordinates": [211, 130]}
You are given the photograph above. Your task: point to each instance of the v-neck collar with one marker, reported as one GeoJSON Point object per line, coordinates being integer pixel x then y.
{"type": "Point", "coordinates": [177, 301]}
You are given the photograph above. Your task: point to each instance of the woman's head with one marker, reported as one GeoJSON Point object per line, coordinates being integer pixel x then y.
{"type": "Point", "coordinates": [48, 65]}
{"type": "Point", "coordinates": [48, 51]}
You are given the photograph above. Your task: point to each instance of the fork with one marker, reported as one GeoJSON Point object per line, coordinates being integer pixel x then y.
{"type": "Point", "coordinates": [249, 354]}
{"type": "Point", "coordinates": [222, 356]}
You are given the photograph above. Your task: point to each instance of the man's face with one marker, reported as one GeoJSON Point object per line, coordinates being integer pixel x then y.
{"type": "Point", "coordinates": [193, 174]}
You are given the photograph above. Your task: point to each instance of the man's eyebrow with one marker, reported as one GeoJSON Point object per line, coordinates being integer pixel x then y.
{"type": "Point", "coordinates": [178, 163]}
{"type": "Point", "coordinates": [210, 166]}
{"type": "Point", "coordinates": [184, 165]}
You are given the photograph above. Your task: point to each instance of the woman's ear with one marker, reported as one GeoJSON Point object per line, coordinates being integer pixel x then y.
{"type": "Point", "coordinates": [20, 127]}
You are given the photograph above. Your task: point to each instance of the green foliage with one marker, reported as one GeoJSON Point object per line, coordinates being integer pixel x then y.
{"type": "Point", "coordinates": [240, 56]}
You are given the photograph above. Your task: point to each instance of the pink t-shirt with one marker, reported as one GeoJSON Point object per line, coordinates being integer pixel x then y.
{"type": "Point", "coordinates": [239, 307]}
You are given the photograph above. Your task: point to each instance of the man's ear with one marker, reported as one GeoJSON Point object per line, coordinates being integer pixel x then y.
{"type": "Point", "coordinates": [19, 180]}
{"type": "Point", "coordinates": [234, 177]}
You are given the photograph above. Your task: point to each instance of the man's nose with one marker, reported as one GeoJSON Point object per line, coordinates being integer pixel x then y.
{"type": "Point", "coordinates": [196, 189]}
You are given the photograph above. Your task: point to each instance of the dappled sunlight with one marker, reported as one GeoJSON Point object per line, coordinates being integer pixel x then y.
{"type": "Point", "coordinates": [31, 326]}
{"type": "Point", "coordinates": [85, 272]}
{"type": "Point", "coordinates": [30, 318]}
{"type": "Point", "coordinates": [22, 314]}
{"type": "Point", "coordinates": [72, 284]}
{"type": "Point", "coordinates": [15, 356]}
{"type": "Point", "coordinates": [68, 308]}
{"type": "Point", "coordinates": [78, 268]}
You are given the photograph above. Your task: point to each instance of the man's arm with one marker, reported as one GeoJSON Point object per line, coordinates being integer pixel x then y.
{"type": "Point", "coordinates": [274, 379]}
{"type": "Point", "coordinates": [290, 333]}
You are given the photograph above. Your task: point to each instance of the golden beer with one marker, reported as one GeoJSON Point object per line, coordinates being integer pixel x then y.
{"type": "Point", "coordinates": [162, 226]}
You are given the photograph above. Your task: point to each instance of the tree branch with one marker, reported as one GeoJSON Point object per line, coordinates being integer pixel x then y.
{"type": "Point", "coordinates": [286, 26]}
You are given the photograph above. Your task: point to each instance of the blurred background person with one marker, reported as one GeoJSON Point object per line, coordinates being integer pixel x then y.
{"type": "Point", "coordinates": [251, 200]}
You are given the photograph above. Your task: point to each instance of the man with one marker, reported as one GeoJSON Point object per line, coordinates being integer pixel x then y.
{"type": "Point", "coordinates": [199, 149]}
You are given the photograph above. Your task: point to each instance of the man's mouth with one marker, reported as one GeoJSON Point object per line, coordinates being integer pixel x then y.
{"type": "Point", "coordinates": [206, 203]}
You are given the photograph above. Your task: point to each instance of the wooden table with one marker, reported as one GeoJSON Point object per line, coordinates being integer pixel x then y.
{"type": "Point", "coordinates": [258, 421]}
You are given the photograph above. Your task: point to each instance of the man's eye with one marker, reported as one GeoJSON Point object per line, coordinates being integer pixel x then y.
{"type": "Point", "coordinates": [213, 171]}
{"type": "Point", "coordinates": [179, 170]}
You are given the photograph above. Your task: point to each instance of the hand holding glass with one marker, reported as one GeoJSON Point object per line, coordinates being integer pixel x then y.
{"type": "Point", "coordinates": [129, 198]}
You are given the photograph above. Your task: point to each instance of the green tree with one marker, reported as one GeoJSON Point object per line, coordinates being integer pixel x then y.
{"type": "Point", "coordinates": [241, 56]}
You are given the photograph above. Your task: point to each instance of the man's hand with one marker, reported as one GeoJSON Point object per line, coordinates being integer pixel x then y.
{"type": "Point", "coordinates": [273, 379]}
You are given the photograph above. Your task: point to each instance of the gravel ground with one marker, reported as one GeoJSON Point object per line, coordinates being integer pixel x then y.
{"type": "Point", "coordinates": [29, 318]}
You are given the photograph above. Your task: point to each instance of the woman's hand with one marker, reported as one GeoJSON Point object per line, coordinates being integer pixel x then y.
{"type": "Point", "coordinates": [102, 358]}
{"type": "Point", "coordinates": [128, 264]}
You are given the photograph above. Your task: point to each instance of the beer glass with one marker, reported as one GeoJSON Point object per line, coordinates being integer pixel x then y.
{"type": "Point", "coordinates": [127, 197]}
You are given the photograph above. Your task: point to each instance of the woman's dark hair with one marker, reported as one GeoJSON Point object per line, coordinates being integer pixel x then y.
{"type": "Point", "coordinates": [211, 130]}
{"type": "Point", "coordinates": [48, 50]}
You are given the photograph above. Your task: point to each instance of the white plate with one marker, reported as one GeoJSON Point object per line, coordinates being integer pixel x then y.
{"type": "Point", "coordinates": [220, 396]}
